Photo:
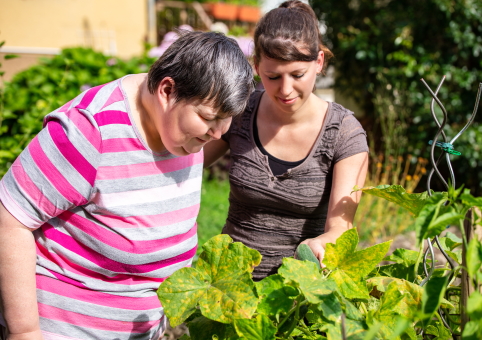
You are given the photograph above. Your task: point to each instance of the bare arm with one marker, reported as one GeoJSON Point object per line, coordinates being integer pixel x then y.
{"type": "Point", "coordinates": [343, 203]}
{"type": "Point", "coordinates": [17, 279]}
{"type": "Point", "coordinates": [213, 151]}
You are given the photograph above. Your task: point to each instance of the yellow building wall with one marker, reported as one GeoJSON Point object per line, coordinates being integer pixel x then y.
{"type": "Point", "coordinates": [43, 27]}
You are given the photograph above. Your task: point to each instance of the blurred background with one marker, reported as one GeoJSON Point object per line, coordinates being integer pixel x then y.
{"type": "Point", "coordinates": [51, 50]}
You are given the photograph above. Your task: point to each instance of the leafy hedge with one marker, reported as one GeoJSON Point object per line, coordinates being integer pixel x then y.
{"type": "Point", "coordinates": [37, 91]}
{"type": "Point", "coordinates": [383, 48]}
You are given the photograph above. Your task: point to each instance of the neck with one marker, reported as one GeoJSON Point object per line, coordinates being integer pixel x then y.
{"type": "Point", "coordinates": [145, 110]}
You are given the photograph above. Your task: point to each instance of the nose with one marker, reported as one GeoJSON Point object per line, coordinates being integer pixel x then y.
{"type": "Point", "coordinates": [286, 86]}
{"type": "Point", "coordinates": [220, 128]}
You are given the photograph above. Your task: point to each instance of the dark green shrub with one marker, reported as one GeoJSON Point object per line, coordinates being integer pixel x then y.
{"type": "Point", "coordinates": [35, 92]}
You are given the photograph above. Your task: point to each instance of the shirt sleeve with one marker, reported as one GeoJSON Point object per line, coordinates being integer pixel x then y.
{"type": "Point", "coordinates": [352, 139]}
{"type": "Point", "coordinates": [56, 171]}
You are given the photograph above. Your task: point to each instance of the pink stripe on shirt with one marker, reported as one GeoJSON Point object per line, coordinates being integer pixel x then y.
{"type": "Point", "coordinates": [70, 152]}
{"type": "Point", "coordinates": [103, 299]}
{"type": "Point", "coordinates": [90, 132]}
{"type": "Point", "coordinates": [89, 97]}
{"type": "Point", "coordinates": [118, 241]}
{"type": "Point", "coordinates": [68, 266]}
{"type": "Point", "coordinates": [31, 189]}
{"type": "Point", "coordinates": [146, 169]}
{"type": "Point", "coordinates": [53, 175]}
{"type": "Point", "coordinates": [105, 262]}
{"type": "Point", "coordinates": [122, 145]}
{"type": "Point", "coordinates": [112, 117]}
{"type": "Point", "coordinates": [82, 320]}
{"type": "Point", "coordinates": [116, 96]}
{"type": "Point", "coordinates": [150, 221]}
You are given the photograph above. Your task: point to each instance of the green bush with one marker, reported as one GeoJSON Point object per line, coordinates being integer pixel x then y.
{"type": "Point", "coordinates": [383, 48]}
{"type": "Point", "coordinates": [42, 88]}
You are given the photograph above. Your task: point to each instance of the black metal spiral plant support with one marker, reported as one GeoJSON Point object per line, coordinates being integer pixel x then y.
{"type": "Point", "coordinates": [448, 149]}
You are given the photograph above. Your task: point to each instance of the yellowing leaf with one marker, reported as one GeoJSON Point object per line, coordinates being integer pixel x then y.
{"type": "Point", "coordinates": [180, 293]}
{"type": "Point", "coordinates": [356, 264]}
{"type": "Point", "coordinates": [350, 288]}
{"type": "Point", "coordinates": [221, 284]}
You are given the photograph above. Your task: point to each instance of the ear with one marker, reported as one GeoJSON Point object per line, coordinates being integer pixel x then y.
{"type": "Point", "coordinates": [256, 64]}
{"type": "Point", "coordinates": [319, 62]}
{"type": "Point", "coordinates": [165, 91]}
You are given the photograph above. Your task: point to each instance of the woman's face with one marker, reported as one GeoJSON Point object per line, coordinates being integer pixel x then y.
{"type": "Point", "coordinates": [188, 126]}
{"type": "Point", "coordinates": [289, 83]}
{"type": "Point", "coordinates": [184, 127]}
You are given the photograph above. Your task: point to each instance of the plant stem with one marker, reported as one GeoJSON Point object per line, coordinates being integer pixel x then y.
{"type": "Point", "coordinates": [419, 258]}
{"type": "Point", "coordinates": [297, 315]}
{"type": "Point", "coordinates": [298, 301]}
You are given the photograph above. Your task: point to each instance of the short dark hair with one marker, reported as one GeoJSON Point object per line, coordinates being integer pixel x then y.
{"type": "Point", "coordinates": [206, 66]}
{"type": "Point", "coordinates": [289, 33]}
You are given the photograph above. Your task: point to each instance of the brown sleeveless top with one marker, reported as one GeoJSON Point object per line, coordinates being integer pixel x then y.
{"type": "Point", "coordinates": [273, 214]}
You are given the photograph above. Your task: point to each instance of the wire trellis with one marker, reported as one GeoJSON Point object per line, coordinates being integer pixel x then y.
{"type": "Point", "coordinates": [448, 149]}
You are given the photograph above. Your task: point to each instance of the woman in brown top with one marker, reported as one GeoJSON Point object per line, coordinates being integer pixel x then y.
{"type": "Point", "coordinates": [295, 158]}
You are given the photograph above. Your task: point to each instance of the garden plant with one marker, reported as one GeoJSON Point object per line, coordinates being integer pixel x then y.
{"type": "Point", "coordinates": [352, 297]}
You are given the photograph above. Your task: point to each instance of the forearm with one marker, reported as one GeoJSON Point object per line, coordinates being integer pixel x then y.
{"type": "Point", "coordinates": [17, 276]}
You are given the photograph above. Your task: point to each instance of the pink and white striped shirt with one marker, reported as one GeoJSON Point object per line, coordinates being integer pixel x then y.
{"type": "Point", "coordinates": [114, 219]}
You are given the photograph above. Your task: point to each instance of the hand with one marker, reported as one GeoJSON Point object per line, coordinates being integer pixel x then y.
{"type": "Point", "coordinates": [33, 335]}
{"type": "Point", "coordinates": [317, 248]}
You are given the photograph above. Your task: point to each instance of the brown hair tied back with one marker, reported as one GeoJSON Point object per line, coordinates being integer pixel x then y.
{"type": "Point", "coordinates": [289, 33]}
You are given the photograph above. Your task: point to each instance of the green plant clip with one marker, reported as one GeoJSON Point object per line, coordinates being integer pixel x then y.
{"type": "Point", "coordinates": [447, 147]}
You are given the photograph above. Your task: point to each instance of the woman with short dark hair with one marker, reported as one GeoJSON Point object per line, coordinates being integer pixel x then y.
{"type": "Point", "coordinates": [101, 207]}
{"type": "Point", "coordinates": [295, 158]}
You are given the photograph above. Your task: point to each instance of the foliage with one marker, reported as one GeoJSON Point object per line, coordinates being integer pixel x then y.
{"type": "Point", "coordinates": [351, 298]}
{"type": "Point", "coordinates": [378, 219]}
{"type": "Point", "coordinates": [382, 50]}
{"type": "Point", "coordinates": [37, 91]}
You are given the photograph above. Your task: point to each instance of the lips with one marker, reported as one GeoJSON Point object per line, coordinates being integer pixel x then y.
{"type": "Point", "coordinates": [288, 100]}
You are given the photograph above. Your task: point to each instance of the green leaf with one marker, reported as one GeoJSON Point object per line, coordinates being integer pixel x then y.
{"type": "Point", "coordinates": [434, 218]}
{"type": "Point", "coordinates": [342, 255]}
{"type": "Point", "coordinates": [329, 309]}
{"type": "Point", "coordinates": [202, 328]}
{"type": "Point", "coordinates": [398, 270]}
{"type": "Point", "coordinates": [259, 328]}
{"type": "Point", "coordinates": [400, 298]}
{"type": "Point", "coordinates": [398, 195]}
{"type": "Point", "coordinates": [382, 283]}
{"type": "Point", "coordinates": [305, 276]}
{"type": "Point", "coordinates": [440, 332]}
{"type": "Point", "coordinates": [474, 257]}
{"type": "Point", "coordinates": [274, 297]}
{"type": "Point", "coordinates": [474, 306]}
{"type": "Point", "coordinates": [455, 240]}
{"type": "Point", "coordinates": [433, 293]}
{"type": "Point", "coordinates": [403, 256]}
{"type": "Point", "coordinates": [221, 284]}
{"type": "Point", "coordinates": [354, 330]}
{"type": "Point", "coordinates": [472, 330]}
{"type": "Point", "coordinates": [470, 200]}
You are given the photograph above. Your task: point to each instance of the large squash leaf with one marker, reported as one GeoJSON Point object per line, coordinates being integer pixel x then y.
{"type": "Point", "coordinates": [259, 328]}
{"type": "Point", "coordinates": [397, 194]}
{"type": "Point", "coordinates": [220, 284]}
{"type": "Point", "coordinates": [307, 278]}
{"type": "Point", "coordinates": [274, 297]}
